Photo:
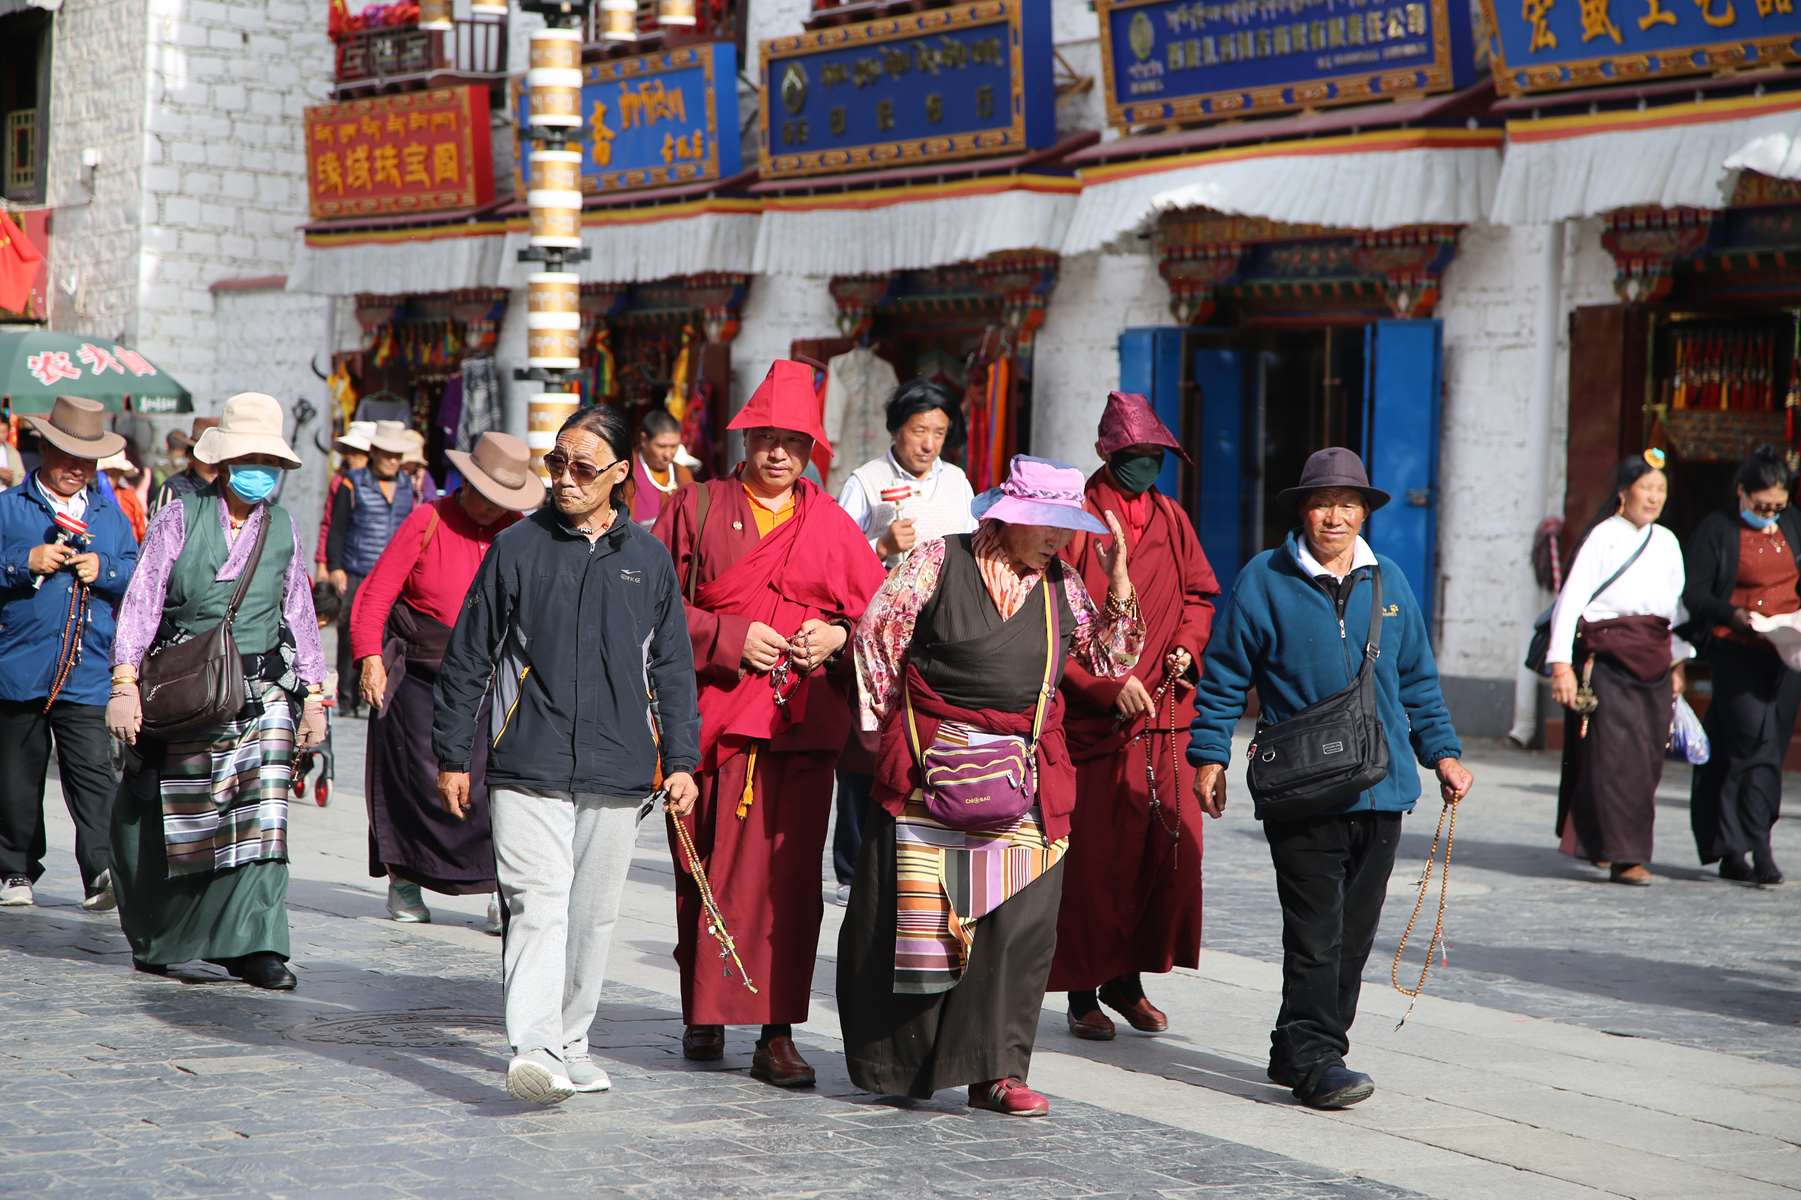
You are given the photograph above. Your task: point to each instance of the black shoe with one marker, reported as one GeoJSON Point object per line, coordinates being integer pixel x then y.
{"type": "Point", "coordinates": [149, 968]}
{"type": "Point", "coordinates": [264, 970]}
{"type": "Point", "coordinates": [1734, 869]}
{"type": "Point", "coordinates": [1336, 1086]}
{"type": "Point", "coordinates": [1283, 1075]}
{"type": "Point", "coordinates": [1768, 873]}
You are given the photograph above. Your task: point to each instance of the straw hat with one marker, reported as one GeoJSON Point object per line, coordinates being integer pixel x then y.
{"type": "Point", "coordinates": [77, 427]}
{"type": "Point", "coordinates": [390, 437]}
{"type": "Point", "coordinates": [252, 424]}
{"type": "Point", "coordinates": [1038, 492]}
{"type": "Point", "coordinates": [500, 469]}
{"type": "Point", "coordinates": [355, 437]}
{"type": "Point", "coordinates": [415, 449]}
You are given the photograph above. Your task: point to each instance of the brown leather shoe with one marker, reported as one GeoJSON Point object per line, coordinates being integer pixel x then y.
{"type": "Point", "coordinates": [703, 1043]}
{"type": "Point", "coordinates": [780, 1064]}
{"type": "Point", "coordinates": [1092, 1026]}
{"type": "Point", "coordinates": [1632, 874]}
{"type": "Point", "coordinates": [1141, 1014]}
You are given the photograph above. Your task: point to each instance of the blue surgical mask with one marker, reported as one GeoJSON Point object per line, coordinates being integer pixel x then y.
{"type": "Point", "coordinates": [254, 482]}
{"type": "Point", "coordinates": [1756, 520]}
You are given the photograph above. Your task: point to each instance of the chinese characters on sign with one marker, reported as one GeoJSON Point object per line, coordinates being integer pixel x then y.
{"type": "Point", "coordinates": [50, 367]}
{"type": "Point", "coordinates": [1546, 45]}
{"type": "Point", "coordinates": [412, 152]}
{"type": "Point", "coordinates": [944, 84]}
{"type": "Point", "coordinates": [1174, 60]}
{"type": "Point", "coordinates": [658, 120]}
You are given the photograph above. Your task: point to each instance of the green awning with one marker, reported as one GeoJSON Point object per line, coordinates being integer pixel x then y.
{"type": "Point", "coordinates": [37, 366]}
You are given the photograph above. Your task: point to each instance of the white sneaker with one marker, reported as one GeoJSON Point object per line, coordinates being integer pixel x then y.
{"type": "Point", "coordinates": [493, 925]}
{"type": "Point", "coordinates": [100, 897]}
{"type": "Point", "coordinates": [15, 892]}
{"type": "Point", "coordinates": [538, 1079]}
{"type": "Point", "coordinates": [405, 904]}
{"type": "Point", "coordinates": [842, 897]}
{"type": "Point", "coordinates": [585, 1076]}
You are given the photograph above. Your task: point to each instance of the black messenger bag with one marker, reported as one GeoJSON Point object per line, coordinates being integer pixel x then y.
{"type": "Point", "coordinates": [1321, 759]}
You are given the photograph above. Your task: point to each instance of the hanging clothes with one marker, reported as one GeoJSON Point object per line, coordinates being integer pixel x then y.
{"type": "Point", "coordinates": [481, 400]}
{"type": "Point", "coordinates": [858, 384]}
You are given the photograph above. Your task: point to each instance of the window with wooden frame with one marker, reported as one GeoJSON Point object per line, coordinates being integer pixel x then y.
{"type": "Point", "coordinates": [24, 105]}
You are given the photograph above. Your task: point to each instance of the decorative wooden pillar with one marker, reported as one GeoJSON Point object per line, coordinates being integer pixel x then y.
{"type": "Point", "coordinates": [1647, 243]}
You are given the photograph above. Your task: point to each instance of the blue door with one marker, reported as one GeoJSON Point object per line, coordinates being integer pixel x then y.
{"type": "Point", "coordinates": [1150, 364]}
{"type": "Point", "coordinates": [1404, 360]}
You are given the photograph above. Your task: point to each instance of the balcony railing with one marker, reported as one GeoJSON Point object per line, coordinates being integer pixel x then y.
{"type": "Point", "coordinates": [373, 60]}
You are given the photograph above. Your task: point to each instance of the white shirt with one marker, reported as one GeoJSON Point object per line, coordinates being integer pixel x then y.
{"type": "Point", "coordinates": [1652, 586]}
{"type": "Point", "coordinates": [75, 506]}
{"type": "Point", "coordinates": [1361, 556]}
{"type": "Point", "coordinates": [939, 505]}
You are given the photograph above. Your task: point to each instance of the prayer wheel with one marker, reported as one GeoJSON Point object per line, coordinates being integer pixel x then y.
{"type": "Point", "coordinates": [675, 12]}
{"type": "Point", "coordinates": [557, 49]}
{"type": "Point", "coordinates": [554, 98]}
{"type": "Point", "coordinates": [488, 8]}
{"type": "Point", "coordinates": [556, 170]}
{"type": "Point", "coordinates": [435, 14]}
{"type": "Point", "coordinates": [544, 415]}
{"type": "Point", "coordinates": [556, 218]}
{"type": "Point", "coordinates": [619, 20]}
{"type": "Point", "coordinates": [553, 292]}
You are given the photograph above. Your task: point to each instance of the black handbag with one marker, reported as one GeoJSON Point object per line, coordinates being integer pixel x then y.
{"type": "Point", "coordinates": [1329, 753]}
{"type": "Point", "coordinates": [198, 685]}
{"type": "Point", "coordinates": [1540, 645]}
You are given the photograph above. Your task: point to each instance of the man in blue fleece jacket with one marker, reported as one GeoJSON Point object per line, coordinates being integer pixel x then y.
{"type": "Point", "coordinates": [1285, 634]}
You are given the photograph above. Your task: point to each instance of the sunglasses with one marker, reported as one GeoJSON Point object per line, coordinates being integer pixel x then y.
{"type": "Point", "coordinates": [557, 463]}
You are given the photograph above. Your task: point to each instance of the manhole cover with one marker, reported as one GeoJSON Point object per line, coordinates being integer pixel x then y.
{"type": "Point", "coordinates": [400, 1029]}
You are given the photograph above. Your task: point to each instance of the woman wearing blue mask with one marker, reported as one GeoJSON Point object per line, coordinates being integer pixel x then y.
{"type": "Point", "coordinates": [200, 855]}
{"type": "Point", "coordinates": [1742, 562]}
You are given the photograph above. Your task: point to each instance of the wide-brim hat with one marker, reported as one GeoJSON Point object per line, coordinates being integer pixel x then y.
{"type": "Point", "coordinates": [786, 399]}
{"type": "Point", "coordinates": [390, 438]}
{"type": "Point", "coordinates": [251, 424]}
{"type": "Point", "coordinates": [414, 454]}
{"type": "Point", "coordinates": [1038, 492]}
{"type": "Point", "coordinates": [500, 469]}
{"type": "Point", "coordinates": [77, 427]}
{"type": "Point", "coordinates": [1334, 467]}
{"type": "Point", "coordinates": [116, 462]}
{"type": "Point", "coordinates": [355, 437]}
{"type": "Point", "coordinates": [1129, 420]}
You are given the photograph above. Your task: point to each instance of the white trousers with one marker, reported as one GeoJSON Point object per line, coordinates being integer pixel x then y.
{"type": "Point", "coordinates": [561, 861]}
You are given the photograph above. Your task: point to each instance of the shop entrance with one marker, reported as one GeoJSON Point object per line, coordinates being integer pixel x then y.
{"type": "Point", "coordinates": [1251, 404]}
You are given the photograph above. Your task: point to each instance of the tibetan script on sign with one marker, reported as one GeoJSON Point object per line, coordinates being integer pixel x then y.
{"type": "Point", "coordinates": [1549, 45]}
{"type": "Point", "coordinates": [1181, 60]}
{"type": "Point", "coordinates": [415, 152]}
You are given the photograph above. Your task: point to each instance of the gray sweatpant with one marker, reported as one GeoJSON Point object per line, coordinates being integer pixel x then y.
{"type": "Point", "coordinates": [561, 860]}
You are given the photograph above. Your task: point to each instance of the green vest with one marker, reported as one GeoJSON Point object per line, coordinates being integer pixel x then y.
{"type": "Point", "coordinates": [195, 600]}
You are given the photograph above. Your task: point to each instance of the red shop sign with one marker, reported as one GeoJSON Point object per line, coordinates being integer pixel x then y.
{"type": "Point", "coordinates": [409, 153]}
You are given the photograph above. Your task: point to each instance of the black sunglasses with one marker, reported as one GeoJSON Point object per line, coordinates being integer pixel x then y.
{"type": "Point", "coordinates": [556, 462]}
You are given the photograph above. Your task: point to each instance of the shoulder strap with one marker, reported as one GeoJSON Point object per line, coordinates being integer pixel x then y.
{"type": "Point", "coordinates": [249, 571]}
{"type": "Point", "coordinates": [703, 496]}
{"type": "Point", "coordinates": [1624, 567]}
{"type": "Point", "coordinates": [1051, 640]}
{"type": "Point", "coordinates": [1372, 646]}
{"type": "Point", "coordinates": [431, 529]}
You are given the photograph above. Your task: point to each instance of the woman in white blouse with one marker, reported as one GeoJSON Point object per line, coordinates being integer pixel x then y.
{"type": "Point", "coordinates": [1616, 667]}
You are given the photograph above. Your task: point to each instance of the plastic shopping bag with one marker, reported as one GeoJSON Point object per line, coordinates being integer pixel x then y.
{"type": "Point", "coordinates": [1688, 741]}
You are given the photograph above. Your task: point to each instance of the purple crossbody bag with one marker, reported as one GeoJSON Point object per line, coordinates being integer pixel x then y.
{"type": "Point", "coordinates": [990, 786]}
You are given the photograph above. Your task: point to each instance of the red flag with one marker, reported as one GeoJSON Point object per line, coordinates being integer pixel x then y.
{"type": "Point", "coordinates": [19, 262]}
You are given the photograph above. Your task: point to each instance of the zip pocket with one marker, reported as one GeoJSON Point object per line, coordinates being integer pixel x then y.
{"type": "Point", "coordinates": [511, 709]}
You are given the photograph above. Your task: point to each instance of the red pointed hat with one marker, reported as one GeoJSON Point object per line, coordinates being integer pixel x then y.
{"type": "Point", "coordinates": [784, 400]}
{"type": "Point", "coordinates": [1129, 420]}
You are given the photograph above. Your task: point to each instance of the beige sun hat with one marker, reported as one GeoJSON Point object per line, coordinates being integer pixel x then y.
{"type": "Point", "coordinates": [355, 437]}
{"type": "Point", "coordinates": [390, 437]}
{"type": "Point", "coordinates": [77, 427]}
{"type": "Point", "coordinates": [252, 424]}
{"type": "Point", "coordinates": [500, 469]}
{"type": "Point", "coordinates": [116, 462]}
{"type": "Point", "coordinates": [415, 449]}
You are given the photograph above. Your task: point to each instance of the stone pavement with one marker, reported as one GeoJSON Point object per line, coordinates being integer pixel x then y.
{"type": "Point", "coordinates": [1586, 1040]}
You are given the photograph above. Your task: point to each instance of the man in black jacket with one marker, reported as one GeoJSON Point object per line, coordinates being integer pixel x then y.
{"type": "Point", "coordinates": [577, 620]}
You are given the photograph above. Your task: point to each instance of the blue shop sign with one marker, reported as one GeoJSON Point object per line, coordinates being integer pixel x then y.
{"type": "Point", "coordinates": [1548, 45]}
{"type": "Point", "coordinates": [657, 120]}
{"type": "Point", "coordinates": [1186, 60]}
{"type": "Point", "coordinates": [961, 82]}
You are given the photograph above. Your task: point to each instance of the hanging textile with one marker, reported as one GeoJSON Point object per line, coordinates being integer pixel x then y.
{"type": "Point", "coordinates": [481, 401]}
{"type": "Point", "coordinates": [858, 384]}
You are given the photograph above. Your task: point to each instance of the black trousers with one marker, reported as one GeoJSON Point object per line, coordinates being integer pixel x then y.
{"type": "Point", "coordinates": [1736, 796]}
{"type": "Point", "coordinates": [350, 696]}
{"type": "Point", "coordinates": [1331, 876]}
{"type": "Point", "coordinates": [84, 758]}
{"type": "Point", "coordinates": [847, 834]}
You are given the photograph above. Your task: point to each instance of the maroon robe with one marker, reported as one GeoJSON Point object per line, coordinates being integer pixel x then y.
{"type": "Point", "coordinates": [1131, 893]}
{"type": "Point", "coordinates": [763, 867]}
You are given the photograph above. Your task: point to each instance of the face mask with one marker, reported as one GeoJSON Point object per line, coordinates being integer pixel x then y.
{"type": "Point", "coordinates": [1135, 473]}
{"type": "Point", "coordinates": [1756, 520]}
{"type": "Point", "coordinates": [254, 483]}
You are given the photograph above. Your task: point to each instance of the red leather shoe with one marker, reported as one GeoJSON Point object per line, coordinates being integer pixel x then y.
{"type": "Point", "coordinates": [779, 1063]}
{"type": "Point", "coordinates": [1008, 1096]}
{"type": "Point", "coordinates": [1141, 1014]}
{"type": "Point", "coordinates": [1092, 1026]}
{"type": "Point", "coordinates": [703, 1043]}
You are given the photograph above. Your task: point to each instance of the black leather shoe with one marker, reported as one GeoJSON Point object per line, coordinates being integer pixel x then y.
{"type": "Point", "coordinates": [1769, 874]}
{"type": "Point", "coordinates": [264, 970]}
{"type": "Point", "coordinates": [1735, 869]}
{"type": "Point", "coordinates": [1336, 1086]}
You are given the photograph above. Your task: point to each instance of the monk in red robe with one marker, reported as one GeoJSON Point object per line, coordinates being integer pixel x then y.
{"type": "Point", "coordinates": [776, 576]}
{"type": "Point", "coordinates": [1132, 879]}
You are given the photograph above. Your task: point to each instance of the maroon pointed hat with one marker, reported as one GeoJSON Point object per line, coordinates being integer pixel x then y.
{"type": "Point", "coordinates": [1129, 420]}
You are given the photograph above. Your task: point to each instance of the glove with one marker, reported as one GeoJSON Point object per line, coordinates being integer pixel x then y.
{"type": "Point", "coordinates": [125, 713]}
{"type": "Point", "coordinates": [312, 723]}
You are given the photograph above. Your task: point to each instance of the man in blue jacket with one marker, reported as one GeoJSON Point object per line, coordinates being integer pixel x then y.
{"type": "Point", "coordinates": [1284, 634]}
{"type": "Point", "coordinates": [60, 588]}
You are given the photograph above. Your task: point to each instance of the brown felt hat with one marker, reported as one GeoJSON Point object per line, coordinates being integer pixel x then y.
{"type": "Point", "coordinates": [500, 469]}
{"type": "Point", "coordinates": [77, 427]}
{"type": "Point", "coordinates": [1335, 467]}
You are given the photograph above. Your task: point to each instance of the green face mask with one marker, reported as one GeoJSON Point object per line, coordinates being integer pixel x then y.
{"type": "Point", "coordinates": [1135, 473]}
